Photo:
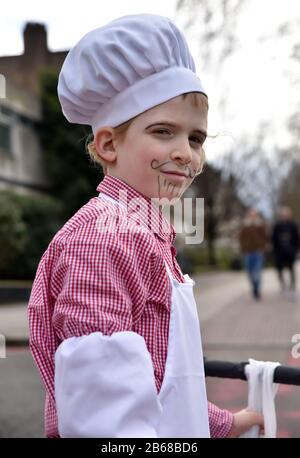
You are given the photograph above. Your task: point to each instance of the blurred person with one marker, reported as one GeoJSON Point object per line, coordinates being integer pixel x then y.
{"type": "Point", "coordinates": [285, 244]}
{"type": "Point", "coordinates": [253, 240]}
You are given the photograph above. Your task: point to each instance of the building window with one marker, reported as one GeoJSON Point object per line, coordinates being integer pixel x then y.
{"type": "Point", "coordinates": [6, 111]}
{"type": "Point", "coordinates": [5, 137]}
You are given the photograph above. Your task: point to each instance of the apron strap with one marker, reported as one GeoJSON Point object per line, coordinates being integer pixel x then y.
{"type": "Point", "coordinates": [169, 271]}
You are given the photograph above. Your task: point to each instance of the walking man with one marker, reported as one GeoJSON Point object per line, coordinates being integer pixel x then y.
{"type": "Point", "coordinates": [253, 238]}
{"type": "Point", "coordinates": [285, 241]}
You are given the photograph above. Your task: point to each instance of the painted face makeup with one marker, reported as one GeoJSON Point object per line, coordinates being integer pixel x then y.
{"type": "Point", "coordinates": [162, 149]}
{"type": "Point", "coordinates": [172, 180]}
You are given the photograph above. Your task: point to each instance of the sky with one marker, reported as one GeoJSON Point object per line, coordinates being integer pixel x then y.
{"type": "Point", "coordinates": [256, 78]}
{"type": "Point", "coordinates": [68, 21]}
{"type": "Point", "coordinates": [261, 70]}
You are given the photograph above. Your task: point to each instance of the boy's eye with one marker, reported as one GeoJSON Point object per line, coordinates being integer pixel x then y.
{"type": "Point", "coordinates": [198, 140]}
{"type": "Point", "coordinates": [162, 131]}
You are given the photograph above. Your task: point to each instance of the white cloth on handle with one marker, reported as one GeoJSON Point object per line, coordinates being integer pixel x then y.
{"type": "Point", "coordinates": [261, 395]}
{"type": "Point", "coordinates": [105, 387]}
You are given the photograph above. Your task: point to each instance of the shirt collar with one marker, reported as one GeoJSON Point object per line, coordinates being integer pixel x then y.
{"type": "Point", "coordinates": [139, 206]}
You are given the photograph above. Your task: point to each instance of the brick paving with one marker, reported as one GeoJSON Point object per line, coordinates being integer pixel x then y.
{"type": "Point", "coordinates": [244, 328]}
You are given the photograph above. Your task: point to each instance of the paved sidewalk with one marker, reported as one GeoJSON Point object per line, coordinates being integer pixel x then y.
{"type": "Point", "coordinates": [235, 327]}
{"type": "Point", "coordinates": [230, 316]}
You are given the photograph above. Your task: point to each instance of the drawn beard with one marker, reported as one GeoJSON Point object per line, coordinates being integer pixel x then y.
{"type": "Point", "coordinates": [166, 187]}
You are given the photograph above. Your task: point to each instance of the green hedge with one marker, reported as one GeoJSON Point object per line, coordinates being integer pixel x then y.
{"type": "Point", "coordinates": [197, 260]}
{"type": "Point", "coordinates": [27, 224]}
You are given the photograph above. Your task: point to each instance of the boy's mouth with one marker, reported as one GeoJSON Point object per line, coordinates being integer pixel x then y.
{"type": "Point", "coordinates": [175, 175]}
{"type": "Point", "coordinates": [179, 173]}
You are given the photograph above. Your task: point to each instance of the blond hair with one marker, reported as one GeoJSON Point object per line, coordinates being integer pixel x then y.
{"type": "Point", "coordinates": [197, 99]}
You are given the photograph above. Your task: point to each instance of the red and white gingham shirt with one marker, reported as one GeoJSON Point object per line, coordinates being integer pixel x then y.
{"type": "Point", "coordinates": [91, 280]}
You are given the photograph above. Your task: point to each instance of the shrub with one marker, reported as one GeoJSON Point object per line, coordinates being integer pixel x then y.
{"type": "Point", "coordinates": [13, 235]}
{"type": "Point", "coordinates": [27, 224]}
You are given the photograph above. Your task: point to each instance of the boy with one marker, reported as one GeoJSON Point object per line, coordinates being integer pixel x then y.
{"type": "Point", "coordinates": [110, 306]}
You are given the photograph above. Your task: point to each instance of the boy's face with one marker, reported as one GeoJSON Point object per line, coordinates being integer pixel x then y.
{"type": "Point", "coordinates": [161, 151]}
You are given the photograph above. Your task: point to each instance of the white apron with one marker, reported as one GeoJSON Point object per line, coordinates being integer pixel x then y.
{"type": "Point", "coordinates": [91, 378]}
{"type": "Point", "coordinates": [183, 392]}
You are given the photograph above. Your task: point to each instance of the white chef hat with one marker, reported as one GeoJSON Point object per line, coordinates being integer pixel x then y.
{"type": "Point", "coordinates": [124, 68]}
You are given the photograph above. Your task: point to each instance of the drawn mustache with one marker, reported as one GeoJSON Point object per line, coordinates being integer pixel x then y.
{"type": "Point", "coordinates": [187, 171]}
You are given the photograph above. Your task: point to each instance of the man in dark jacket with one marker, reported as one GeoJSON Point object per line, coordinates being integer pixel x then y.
{"type": "Point", "coordinates": [285, 240]}
{"type": "Point", "coordinates": [253, 239]}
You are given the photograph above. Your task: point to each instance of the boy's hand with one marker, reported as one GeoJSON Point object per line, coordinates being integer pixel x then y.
{"type": "Point", "coordinates": [244, 420]}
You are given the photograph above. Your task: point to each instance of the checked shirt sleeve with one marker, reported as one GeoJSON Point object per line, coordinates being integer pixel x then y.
{"type": "Point", "coordinates": [220, 421]}
{"type": "Point", "coordinates": [86, 282]}
{"type": "Point", "coordinates": [102, 282]}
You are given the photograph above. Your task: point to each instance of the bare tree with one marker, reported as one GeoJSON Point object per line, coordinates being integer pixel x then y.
{"type": "Point", "coordinates": [289, 193]}
{"type": "Point", "coordinates": [221, 203]}
{"type": "Point", "coordinates": [213, 23]}
{"type": "Point", "coordinates": [257, 163]}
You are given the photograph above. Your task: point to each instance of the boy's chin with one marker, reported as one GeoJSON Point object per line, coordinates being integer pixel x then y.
{"type": "Point", "coordinates": [168, 199]}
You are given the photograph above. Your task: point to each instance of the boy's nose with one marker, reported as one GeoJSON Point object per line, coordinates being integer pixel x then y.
{"type": "Point", "coordinates": [182, 154]}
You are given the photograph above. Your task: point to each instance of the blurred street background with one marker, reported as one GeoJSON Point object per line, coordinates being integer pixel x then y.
{"type": "Point", "coordinates": [249, 55]}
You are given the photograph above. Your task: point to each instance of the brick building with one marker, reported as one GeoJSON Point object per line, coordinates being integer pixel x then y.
{"type": "Point", "coordinates": [20, 153]}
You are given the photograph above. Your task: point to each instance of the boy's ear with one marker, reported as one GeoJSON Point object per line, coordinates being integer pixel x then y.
{"type": "Point", "coordinates": [104, 142]}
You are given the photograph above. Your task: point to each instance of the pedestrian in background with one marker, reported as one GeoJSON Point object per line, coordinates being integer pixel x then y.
{"type": "Point", "coordinates": [285, 243]}
{"type": "Point", "coordinates": [253, 240]}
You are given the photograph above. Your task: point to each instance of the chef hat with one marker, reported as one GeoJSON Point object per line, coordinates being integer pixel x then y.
{"type": "Point", "coordinates": [124, 68]}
